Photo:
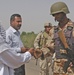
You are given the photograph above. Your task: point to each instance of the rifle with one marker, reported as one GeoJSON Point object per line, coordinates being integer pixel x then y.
{"type": "Point", "coordinates": [69, 54]}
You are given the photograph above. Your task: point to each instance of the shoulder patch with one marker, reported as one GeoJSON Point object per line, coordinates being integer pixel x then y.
{"type": "Point", "coordinates": [69, 27]}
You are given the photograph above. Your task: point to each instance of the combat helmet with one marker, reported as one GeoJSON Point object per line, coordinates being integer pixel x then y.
{"type": "Point", "coordinates": [59, 7]}
{"type": "Point", "coordinates": [48, 25]}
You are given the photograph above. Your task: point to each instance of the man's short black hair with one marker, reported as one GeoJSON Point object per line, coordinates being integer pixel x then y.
{"type": "Point", "coordinates": [13, 16]}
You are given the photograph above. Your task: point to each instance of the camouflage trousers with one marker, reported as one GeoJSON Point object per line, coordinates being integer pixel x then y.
{"type": "Point", "coordinates": [20, 70]}
{"type": "Point", "coordinates": [58, 68]}
{"type": "Point", "coordinates": [45, 66]}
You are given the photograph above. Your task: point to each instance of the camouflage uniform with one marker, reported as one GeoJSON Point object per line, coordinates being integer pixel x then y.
{"type": "Point", "coordinates": [59, 48]}
{"type": "Point", "coordinates": [60, 9]}
{"type": "Point", "coordinates": [42, 42]}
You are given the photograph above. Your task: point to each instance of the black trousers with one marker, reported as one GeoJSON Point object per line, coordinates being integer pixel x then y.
{"type": "Point", "coordinates": [20, 70]}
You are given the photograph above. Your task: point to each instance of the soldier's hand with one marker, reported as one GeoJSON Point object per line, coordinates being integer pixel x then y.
{"type": "Point", "coordinates": [23, 49]}
{"type": "Point", "coordinates": [31, 50]}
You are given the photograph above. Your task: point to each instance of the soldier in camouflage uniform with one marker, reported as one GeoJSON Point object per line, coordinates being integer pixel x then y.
{"type": "Point", "coordinates": [59, 10]}
{"type": "Point", "coordinates": [42, 42]}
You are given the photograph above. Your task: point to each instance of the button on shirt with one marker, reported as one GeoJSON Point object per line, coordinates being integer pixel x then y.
{"type": "Point", "coordinates": [13, 38]}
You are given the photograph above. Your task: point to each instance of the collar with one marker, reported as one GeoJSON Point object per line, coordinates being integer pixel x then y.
{"type": "Point", "coordinates": [14, 30]}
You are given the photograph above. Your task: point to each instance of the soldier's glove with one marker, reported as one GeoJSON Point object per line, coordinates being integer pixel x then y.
{"type": "Point", "coordinates": [37, 53]}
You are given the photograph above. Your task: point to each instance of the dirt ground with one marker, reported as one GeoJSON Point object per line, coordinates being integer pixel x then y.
{"type": "Point", "coordinates": [32, 69]}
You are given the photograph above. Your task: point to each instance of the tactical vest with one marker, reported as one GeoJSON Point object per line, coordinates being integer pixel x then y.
{"type": "Point", "coordinates": [44, 39]}
{"type": "Point", "coordinates": [59, 45]}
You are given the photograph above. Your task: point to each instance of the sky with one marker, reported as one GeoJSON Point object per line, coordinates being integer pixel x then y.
{"type": "Point", "coordinates": [34, 13]}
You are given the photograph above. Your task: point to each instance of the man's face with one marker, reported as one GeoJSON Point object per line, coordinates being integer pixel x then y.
{"type": "Point", "coordinates": [16, 23]}
{"type": "Point", "coordinates": [58, 17]}
{"type": "Point", "coordinates": [47, 28]}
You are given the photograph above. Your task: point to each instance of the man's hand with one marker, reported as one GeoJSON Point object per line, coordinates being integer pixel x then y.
{"type": "Point", "coordinates": [23, 49]}
{"type": "Point", "coordinates": [31, 50]}
{"type": "Point", "coordinates": [34, 52]}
